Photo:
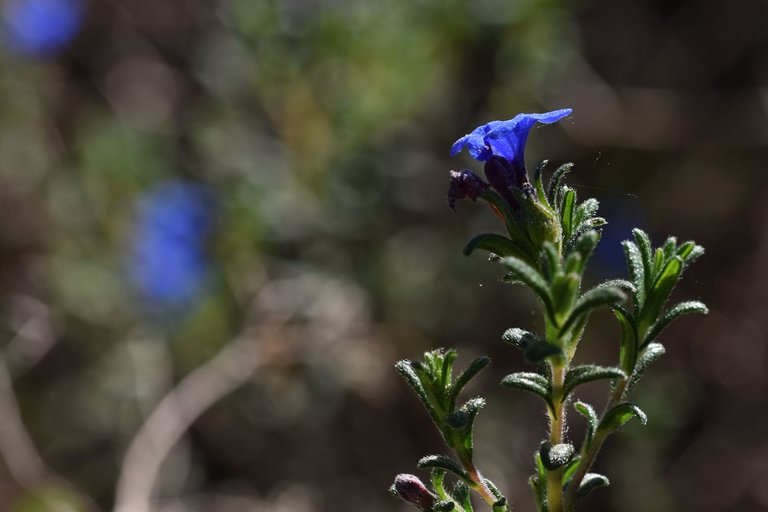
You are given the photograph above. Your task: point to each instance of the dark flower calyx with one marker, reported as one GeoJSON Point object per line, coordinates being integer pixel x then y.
{"type": "Point", "coordinates": [465, 184]}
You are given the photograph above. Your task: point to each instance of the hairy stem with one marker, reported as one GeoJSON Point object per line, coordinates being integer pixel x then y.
{"type": "Point", "coordinates": [589, 454]}
{"type": "Point", "coordinates": [556, 427]}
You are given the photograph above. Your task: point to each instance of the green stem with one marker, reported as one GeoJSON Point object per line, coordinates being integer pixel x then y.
{"type": "Point", "coordinates": [479, 484]}
{"type": "Point", "coordinates": [556, 427]}
{"type": "Point", "coordinates": [589, 454]}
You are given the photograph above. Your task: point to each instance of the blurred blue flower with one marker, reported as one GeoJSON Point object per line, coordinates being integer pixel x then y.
{"type": "Point", "coordinates": [169, 264]}
{"type": "Point", "coordinates": [501, 145]}
{"type": "Point", "coordinates": [41, 27]}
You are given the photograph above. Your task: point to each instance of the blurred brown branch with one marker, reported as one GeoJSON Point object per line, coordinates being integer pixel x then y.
{"type": "Point", "coordinates": [199, 390]}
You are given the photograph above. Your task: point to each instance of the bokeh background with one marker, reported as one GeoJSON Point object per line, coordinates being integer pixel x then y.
{"type": "Point", "coordinates": [236, 210]}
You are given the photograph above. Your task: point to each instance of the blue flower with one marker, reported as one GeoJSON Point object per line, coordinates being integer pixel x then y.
{"type": "Point", "coordinates": [168, 264]}
{"type": "Point", "coordinates": [41, 27]}
{"type": "Point", "coordinates": [501, 145]}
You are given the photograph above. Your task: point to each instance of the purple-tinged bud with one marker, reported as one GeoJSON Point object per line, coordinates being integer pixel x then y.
{"type": "Point", "coordinates": [465, 184]}
{"type": "Point", "coordinates": [411, 489]}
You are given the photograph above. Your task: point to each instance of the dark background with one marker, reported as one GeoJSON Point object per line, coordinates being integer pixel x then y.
{"type": "Point", "coordinates": [321, 131]}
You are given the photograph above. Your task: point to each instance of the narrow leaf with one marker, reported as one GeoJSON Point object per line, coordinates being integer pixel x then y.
{"type": "Point", "coordinates": [550, 260]}
{"type": "Point", "coordinates": [636, 271]}
{"type": "Point", "coordinates": [540, 350]}
{"type": "Point", "coordinates": [495, 244]}
{"type": "Point", "coordinates": [473, 369]}
{"type": "Point", "coordinates": [651, 353]}
{"type": "Point", "coordinates": [659, 294]}
{"type": "Point", "coordinates": [644, 244]}
{"type": "Point", "coordinates": [554, 182]}
{"type": "Point", "coordinates": [405, 368]}
{"type": "Point", "coordinates": [442, 462]}
{"type": "Point", "coordinates": [564, 290]}
{"type": "Point", "coordinates": [532, 278]}
{"type": "Point", "coordinates": [444, 506]}
{"type": "Point", "coordinates": [619, 415]}
{"type": "Point", "coordinates": [670, 246]}
{"type": "Point", "coordinates": [689, 251]}
{"type": "Point", "coordinates": [461, 493]}
{"type": "Point", "coordinates": [566, 211]}
{"type": "Point", "coordinates": [596, 297]}
{"type": "Point", "coordinates": [570, 469]}
{"type": "Point", "coordinates": [586, 244]}
{"type": "Point", "coordinates": [587, 373]}
{"type": "Point", "coordinates": [684, 308]}
{"type": "Point", "coordinates": [586, 210]}
{"type": "Point", "coordinates": [587, 225]}
{"type": "Point", "coordinates": [519, 338]}
{"type": "Point", "coordinates": [591, 482]}
{"type": "Point", "coordinates": [628, 345]}
{"type": "Point", "coordinates": [589, 413]}
{"type": "Point", "coordinates": [528, 381]}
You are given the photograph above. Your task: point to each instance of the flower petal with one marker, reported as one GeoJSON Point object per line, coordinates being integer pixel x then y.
{"type": "Point", "coordinates": [507, 139]}
{"type": "Point", "coordinates": [475, 141]}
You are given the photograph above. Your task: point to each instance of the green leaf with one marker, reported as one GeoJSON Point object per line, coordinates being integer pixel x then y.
{"type": "Point", "coordinates": [500, 505]}
{"type": "Point", "coordinates": [684, 308]}
{"type": "Point", "coordinates": [556, 456]}
{"type": "Point", "coordinates": [495, 244]}
{"type": "Point", "coordinates": [628, 345]}
{"type": "Point", "coordinates": [590, 482]}
{"type": "Point", "coordinates": [529, 381]}
{"type": "Point", "coordinates": [585, 211]}
{"type": "Point", "coordinates": [659, 294]}
{"type": "Point", "coordinates": [461, 493]}
{"type": "Point", "coordinates": [670, 246]}
{"type": "Point", "coordinates": [587, 373]}
{"type": "Point", "coordinates": [596, 297]}
{"type": "Point", "coordinates": [644, 244]}
{"type": "Point", "coordinates": [538, 482]}
{"type": "Point", "coordinates": [532, 278]}
{"type": "Point", "coordinates": [587, 225]}
{"type": "Point", "coordinates": [498, 203]}
{"type": "Point", "coordinates": [534, 348]}
{"type": "Point", "coordinates": [437, 477]}
{"type": "Point", "coordinates": [540, 350]}
{"type": "Point", "coordinates": [636, 271]}
{"type": "Point", "coordinates": [619, 415]}
{"type": "Point", "coordinates": [650, 353]}
{"type": "Point", "coordinates": [405, 368]}
{"type": "Point", "coordinates": [690, 252]}
{"type": "Point", "coordinates": [621, 284]}
{"type": "Point", "coordinates": [448, 358]}
{"type": "Point", "coordinates": [538, 183]}
{"type": "Point", "coordinates": [550, 261]}
{"type": "Point", "coordinates": [570, 469]}
{"type": "Point", "coordinates": [589, 413]}
{"type": "Point", "coordinates": [586, 244]}
{"type": "Point", "coordinates": [443, 506]}
{"type": "Point", "coordinates": [443, 462]}
{"type": "Point", "coordinates": [473, 369]}
{"type": "Point", "coordinates": [554, 182]}
{"type": "Point", "coordinates": [564, 290]}
{"type": "Point", "coordinates": [519, 338]}
{"type": "Point", "coordinates": [566, 211]}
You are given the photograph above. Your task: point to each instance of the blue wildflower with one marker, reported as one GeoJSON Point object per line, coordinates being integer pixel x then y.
{"type": "Point", "coordinates": [168, 264]}
{"type": "Point", "coordinates": [501, 144]}
{"type": "Point", "coordinates": [41, 27]}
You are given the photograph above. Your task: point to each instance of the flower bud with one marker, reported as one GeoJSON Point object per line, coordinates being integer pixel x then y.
{"type": "Point", "coordinates": [411, 489]}
{"type": "Point", "coordinates": [465, 184]}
